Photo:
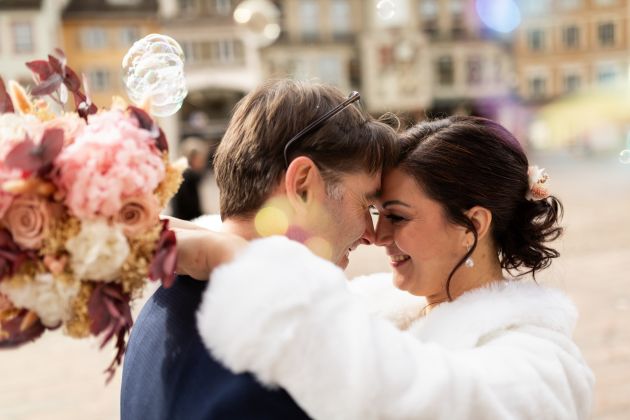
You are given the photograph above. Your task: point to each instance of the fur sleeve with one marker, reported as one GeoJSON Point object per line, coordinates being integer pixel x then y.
{"type": "Point", "coordinates": [286, 315]}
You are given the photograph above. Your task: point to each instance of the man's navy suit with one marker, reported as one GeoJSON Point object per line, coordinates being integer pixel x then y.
{"type": "Point", "coordinates": [168, 374]}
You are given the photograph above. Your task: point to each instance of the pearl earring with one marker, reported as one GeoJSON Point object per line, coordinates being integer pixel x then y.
{"type": "Point", "coordinates": [469, 261]}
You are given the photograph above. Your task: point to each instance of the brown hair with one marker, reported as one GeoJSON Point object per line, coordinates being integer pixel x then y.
{"type": "Point", "coordinates": [462, 162]}
{"type": "Point", "coordinates": [249, 161]}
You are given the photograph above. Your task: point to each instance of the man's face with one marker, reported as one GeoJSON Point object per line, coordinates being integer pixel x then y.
{"type": "Point", "coordinates": [345, 220]}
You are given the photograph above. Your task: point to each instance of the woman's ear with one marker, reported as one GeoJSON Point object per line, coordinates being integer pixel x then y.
{"type": "Point", "coordinates": [481, 218]}
{"type": "Point", "coordinates": [303, 182]}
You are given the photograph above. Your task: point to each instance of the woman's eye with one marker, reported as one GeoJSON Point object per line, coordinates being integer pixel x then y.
{"type": "Point", "coordinates": [394, 219]}
{"type": "Point", "coordinates": [373, 211]}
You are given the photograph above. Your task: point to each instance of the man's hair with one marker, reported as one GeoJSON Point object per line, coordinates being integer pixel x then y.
{"type": "Point", "coordinates": [249, 162]}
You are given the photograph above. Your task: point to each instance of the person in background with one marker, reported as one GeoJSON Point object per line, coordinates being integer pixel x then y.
{"type": "Point", "coordinates": [186, 204]}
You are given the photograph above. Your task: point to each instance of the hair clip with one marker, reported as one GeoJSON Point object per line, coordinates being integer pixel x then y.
{"type": "Point", "coordinates": [537, 178]}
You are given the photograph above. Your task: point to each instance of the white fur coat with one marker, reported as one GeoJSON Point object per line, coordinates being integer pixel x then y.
{"type": "Point", "coordinates": [502, 352]}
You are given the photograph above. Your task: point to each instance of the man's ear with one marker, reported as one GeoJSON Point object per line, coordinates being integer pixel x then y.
{"type": "Point", "coordinates": [481, 218]}
{"type": "Point", "coordinates": [303, 182]}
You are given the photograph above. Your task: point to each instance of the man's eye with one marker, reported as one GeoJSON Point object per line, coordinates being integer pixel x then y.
{"type": "Point", "coordinates": [373, 211]}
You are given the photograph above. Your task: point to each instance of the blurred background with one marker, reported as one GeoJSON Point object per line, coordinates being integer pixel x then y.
{"type": "Point", "coordinates": [554, 72]}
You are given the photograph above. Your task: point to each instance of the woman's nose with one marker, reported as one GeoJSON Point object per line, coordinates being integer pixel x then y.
{"type": "Point", "coordinates": [383, 235]}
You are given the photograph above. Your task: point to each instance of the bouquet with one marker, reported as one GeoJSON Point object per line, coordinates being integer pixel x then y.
{"type": "Point", "coordinates": [80, 197]}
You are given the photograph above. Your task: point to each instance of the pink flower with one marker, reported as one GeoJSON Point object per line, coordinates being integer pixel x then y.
{"type": "Point", "coordinates": [111, 160]}
{"type": "Point", "coordinates": [71, 124]}
{"type": "Point", "coordinates": [27, 219]}
{"type": "Point", "coordinates": [138, 214]}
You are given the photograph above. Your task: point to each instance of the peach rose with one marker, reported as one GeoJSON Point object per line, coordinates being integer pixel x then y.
{"type": "Point", "coordinates": [137, 214]}
{"type": "Point", "coordinates": [27, 219]}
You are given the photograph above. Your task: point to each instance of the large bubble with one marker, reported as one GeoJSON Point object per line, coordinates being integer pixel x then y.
{"type": "Point", "coordinates": [153, 70]}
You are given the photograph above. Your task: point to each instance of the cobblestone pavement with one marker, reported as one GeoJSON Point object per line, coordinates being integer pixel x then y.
{"type": "Point", "coordinates": [57, 378]}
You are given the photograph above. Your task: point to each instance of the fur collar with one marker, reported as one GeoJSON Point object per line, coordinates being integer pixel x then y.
{"type": "Point", "coordinates": [499, 306]}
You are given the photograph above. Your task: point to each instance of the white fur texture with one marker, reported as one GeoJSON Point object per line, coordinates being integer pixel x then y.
{"type": "Point", "coordinates": [503, 352]}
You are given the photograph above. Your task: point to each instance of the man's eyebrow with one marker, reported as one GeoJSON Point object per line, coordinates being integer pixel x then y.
{"type": "Point", "coordinates": [373, 195]}
{"type": "Point", "coordinates": [395, 202]}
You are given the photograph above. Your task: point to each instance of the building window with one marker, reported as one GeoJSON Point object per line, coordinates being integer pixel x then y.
{"type": "Point", "coordinates": [98, 80]}
{"type": "Point", "coordinates": [571, 83]}
{"type": "Point", "coordinates": [446, 71]}
{"type": "Point", "coordinates": [607, 74]}
{"type": "Point", "coordinates": [428, 9]}
{"type": "Point", "coordinates": [606, 34]}
{"type": "Point", "coordinates": [330, 70]}
{"type": "Point", "coordinates": [537, 87]}
{"type": "Point", "coordinates": [187, 7]}
{"type": "Point", "coordinates": [474, 73]}
{"type": "Point", "coordinates": [457, 8]}
{"type": "Point", "coordinates": [129, 35]}
{"type": "Point", "coordinates": [309, 19]}
{"type": "Point", "coordinates": [93, 38]}
{"type": "Point", "coordinates": [223, 7]}
{"type": "Point", "coordinates": [571, 37]}
{"type": "Point", "coordinates": [570, 4]}
{"type": "Point", "coordinates": [23, 38]}
{"type": "Point", "coordinates": [340, 18]}
{"type": "Point", "coordinates": [536, 40]}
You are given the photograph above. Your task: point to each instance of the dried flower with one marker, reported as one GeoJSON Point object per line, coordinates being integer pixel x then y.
{"type": "Point", "coordinates": [98, 251]}
{"type": "Point", "coordinates": [27, 219]}
{"type": "Point", "coordinates": [138, 214]}
{"type": "Point", "coordinates": [165, 259]}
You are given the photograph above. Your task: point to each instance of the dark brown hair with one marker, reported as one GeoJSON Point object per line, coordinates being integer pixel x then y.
{"type": "Point", "coordinates": [249, 161]}
{"type": "Point", "coordinates": [462, 162]}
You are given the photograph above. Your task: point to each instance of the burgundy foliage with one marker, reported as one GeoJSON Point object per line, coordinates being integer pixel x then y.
{"type": "Point", "coordinates": [165, 258]}
{"type": "Point", "coordinates": [52, 74]}
{"type": "Point", "coordinates": [145, 121]}
{"type": "Point", "coordinates": [11, 256]}
{"type": "Point", "coordinates": [19, 334]}
{"type": "Point", "coordinates": [109, 312]}
{"type": "Point", "coordinates": [36, 158]}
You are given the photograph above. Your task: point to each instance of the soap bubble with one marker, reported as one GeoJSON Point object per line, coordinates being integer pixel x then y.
{"type": "Point", "coordinates": [624, 157]}
{"type": "Point", "coordinates": [386, 9]}
{"type": "Point", "coordinates": [260, 17]}
{"type": "Point", "coordinates": [153, 69]}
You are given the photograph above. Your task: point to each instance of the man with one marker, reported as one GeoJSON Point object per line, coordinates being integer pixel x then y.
{"type": "Point", "coordinates": [297, 159]}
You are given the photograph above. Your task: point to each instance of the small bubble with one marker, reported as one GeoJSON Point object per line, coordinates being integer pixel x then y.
{"type": "Point", "coordinates": [386, 9]}
{"type": "Point", "coordinates": [624, 157]}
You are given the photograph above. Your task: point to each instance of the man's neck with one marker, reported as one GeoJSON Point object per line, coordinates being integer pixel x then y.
{"type": "Point", "coordinates": [242, 227]}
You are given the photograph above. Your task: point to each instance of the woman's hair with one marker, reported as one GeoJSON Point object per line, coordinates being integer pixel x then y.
{"type": "Point", "coordinates": [462, 162]}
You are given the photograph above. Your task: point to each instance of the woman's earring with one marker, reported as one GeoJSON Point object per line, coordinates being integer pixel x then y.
{"type": "Point", "coordinates": [469, 261]}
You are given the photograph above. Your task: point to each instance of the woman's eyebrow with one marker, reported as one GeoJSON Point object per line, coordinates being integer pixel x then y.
{"type": "Point", "coordinates": [395, 202]}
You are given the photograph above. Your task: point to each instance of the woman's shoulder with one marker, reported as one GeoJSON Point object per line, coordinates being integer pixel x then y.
{"type": "Point", "coordinates": [500, 306]}
{"type": "Point", "coordinates": [382, 299]}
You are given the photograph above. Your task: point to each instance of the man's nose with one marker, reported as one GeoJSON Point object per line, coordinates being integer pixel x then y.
{"type": "Point", "coordinates": [368, 235]}
{"type": "Point", "coordinates": [383, 234]}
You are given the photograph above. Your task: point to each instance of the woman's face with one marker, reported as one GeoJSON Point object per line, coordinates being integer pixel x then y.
{"type": "Point", "coordinates": [423, 246]}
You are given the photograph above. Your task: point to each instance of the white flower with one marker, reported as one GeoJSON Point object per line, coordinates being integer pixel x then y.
{"type": "Point", "coordinates": [98, 251]}
{"type": "Point", "coordinates": [50, 298]}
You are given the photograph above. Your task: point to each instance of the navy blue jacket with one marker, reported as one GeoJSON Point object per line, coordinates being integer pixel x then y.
{"type": "Point", "coordinates": [168, 374]}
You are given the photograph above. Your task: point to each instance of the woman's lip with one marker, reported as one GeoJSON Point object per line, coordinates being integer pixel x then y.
{"type": "Point", "coordinates": [399, 263]}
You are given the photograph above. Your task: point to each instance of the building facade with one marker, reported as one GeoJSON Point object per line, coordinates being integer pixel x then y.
{"type": "Point", "coordinates": [29, 30]}
{"type": "Point", "coordinates": [96, 36]}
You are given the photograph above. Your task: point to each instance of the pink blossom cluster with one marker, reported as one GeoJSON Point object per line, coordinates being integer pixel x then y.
{"type": "Point", "coordinates": [111, 160]}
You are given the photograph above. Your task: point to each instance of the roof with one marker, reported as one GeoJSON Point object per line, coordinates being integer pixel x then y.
{"type": "Point", "coordinates": [99, 8]}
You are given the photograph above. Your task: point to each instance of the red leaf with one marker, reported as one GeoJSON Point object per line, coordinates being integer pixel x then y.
{"type": "Point", "coordinates": [72, 81]}
{"type": "Point", "coordinates": [15, 335]}
{"type": "Point", "coordinates": [165, 257]}
{"type": "Point", "coordinates": [31, 157]}
{"type": "Point", "coordinates": [41, 68]}
{"type": "Point", "coordinates": [11, 256]}
{"type": "Point", "coordinates": [6, 105]}
{"type": "Point", "coordinates": [48, 86]}
{"type": "Point", "coordinates": [56, 65]}
{"type": "Point", "coordinates": [145, 121]}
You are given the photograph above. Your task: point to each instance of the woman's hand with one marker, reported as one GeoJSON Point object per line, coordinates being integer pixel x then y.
{"type": "Point", "coordinates": [199, 251]}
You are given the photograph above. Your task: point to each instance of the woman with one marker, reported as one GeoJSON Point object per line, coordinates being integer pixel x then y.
{"type": "Point", "coordinates": [461, 208]}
